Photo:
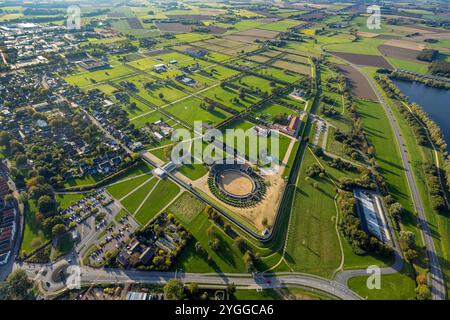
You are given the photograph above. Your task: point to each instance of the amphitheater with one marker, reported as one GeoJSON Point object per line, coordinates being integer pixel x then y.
{"type": "Point", "coordinates": [236, 184]}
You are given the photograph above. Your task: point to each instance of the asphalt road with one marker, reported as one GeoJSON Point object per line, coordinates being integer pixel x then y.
{"type": "Point", "coordinates": [438, 289]}
{"type": "Point", "coordinates": [242, 280]}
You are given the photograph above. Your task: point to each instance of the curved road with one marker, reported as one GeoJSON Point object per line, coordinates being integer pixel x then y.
{"type": "Point", "coordinates": [438, 289]}
{"type": "Point", "coordinates": [242, 280]}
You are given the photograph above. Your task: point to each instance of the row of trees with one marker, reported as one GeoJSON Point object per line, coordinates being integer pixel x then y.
{"type": "Point", "coordinates": [417, 119]}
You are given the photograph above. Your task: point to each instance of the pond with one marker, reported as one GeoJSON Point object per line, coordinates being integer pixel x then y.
{"type": "Point", "coordinates": [435, 102]}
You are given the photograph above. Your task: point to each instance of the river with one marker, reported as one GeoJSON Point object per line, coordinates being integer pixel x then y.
{"type": "Point", "coordinates": [435, 102]}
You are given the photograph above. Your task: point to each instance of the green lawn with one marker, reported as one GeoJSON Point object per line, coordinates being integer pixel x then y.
{"type": "Point", "coordinates": [163, 194]}
{"type": "Point", "coordinates": [186, 207]}
{"type": "Point", "coordinates": [363, 46]}
{"type": "Point", "coordinates": [226, 259]}
{"type": "Point", "coordinates": [408, 65]}
{"type": "Point", "coordinates": [189, 110]}
{"type": "Point", "coordinates": [33, 235]}
{"type": "Point", "coordinates": [283, 75]}
{"type": "Point", "coordinates": [66, 200]}
{"type": "Point", "coordinates": [313, 244]}
{"type": "Point", "coordinates": [393, 287]}
{"type": "Point", "coordinates": [120, 189]}
{"type": "Point", "coordinates": [84, 78]}
{"type": "Point", "coordinates": [133, 201]}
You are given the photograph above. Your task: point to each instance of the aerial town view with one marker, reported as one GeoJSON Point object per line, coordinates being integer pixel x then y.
{"type": "Point", "coordinates": [224, 150]}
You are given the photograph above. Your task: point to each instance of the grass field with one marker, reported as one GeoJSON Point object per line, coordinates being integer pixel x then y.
{"type": "Point", "coordinates": [393, 287]}
{"type": "Point", "coordinates": [132, 202]}
{"type": "Point", "coordinates": [161, 196]}
{"type": "Point", "coordinates": [380, 135]}
{"type": "Point", "coordinates": [363, 46]}
{"type": "Point", "coordinates": [230, 97]}
{"type": "Point", "coordinates": [33, 236]}
{"type": "Point", "coordinates": [283, 75]}
{"type": "Point", "coordinates": [85, 78]}
{"type": "Point", "coordinates": [120, 189]}
{"type": "Point", "coordinates": [189, 110]}
{"type": "Point", "coordinates": [186, 207]}
{"type": "Point", "coordinates": [256, 83]}
{"type": "Point", "coordinates": [408, 65]}
{"type": "Point", "coordinates": [66, 200]}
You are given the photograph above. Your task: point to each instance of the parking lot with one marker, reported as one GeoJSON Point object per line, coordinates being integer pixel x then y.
{"type": "Point", "coordinates": [89, 205]}
{"type": "Point", "coordinates": [115, 237]}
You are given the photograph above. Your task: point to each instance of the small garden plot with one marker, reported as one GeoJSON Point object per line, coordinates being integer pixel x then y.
{"type": "Point", "coordinates": [122, 26]}
{"type": "Point", "coordinates": [296, 58]}
{"type": "Point", "coordinates": [296, 67]}
{"type": "Point", "coordinates": [217, 57]}
{"type": "Point", "coordinates": [243, 48]}
{"type": "Point", "coordinates": [223, 43]}
{"type": "Point", "coordinates": [161, 95]}
{"type": "Point", "coordinates": [132, 57]}
{"type": "Point", "coordinates": [87, 78]}
{"type": "Point", "coordinates": [258, 34]}
{"type": "Point", "coordinates": [258, 58]}
{"type": "Point", "coordinates": [230, 97]}
{"type": "Point", "coordinates": [133, 200]}
{"type": "Point", "coordinates": [245, 63]}
{"type": "Point", "coordinates": [270, 53]}
{"type": "Point", "coordinates": [161, 196]}
{"type": "Point", "coordinates": [257, 84]}
{"type": "Point", "coordinates": [281, 26]}
{"type": "Point", "coordinates": [279, 74]}
{"type": "Point", "coordinates": [190, 110]}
